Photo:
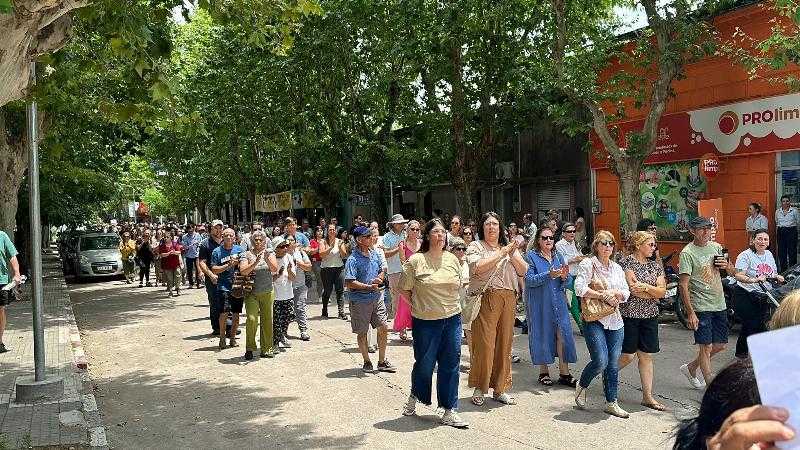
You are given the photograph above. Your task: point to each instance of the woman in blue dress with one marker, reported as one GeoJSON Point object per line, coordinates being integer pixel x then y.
{"type": "Point", "coordinates": [550, 333]}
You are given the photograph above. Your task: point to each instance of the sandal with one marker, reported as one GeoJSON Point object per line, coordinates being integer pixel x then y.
{"type": "Point", "coordinates": [544, 378]}
{"type": "Point", "coordinates": [477, 398]}
{"type": "Point", "coordinates": [567, 380]}
{"type": "Point", "coordinates": [655, 405]}
{"type": "Point", "coordinates": [505, 399]}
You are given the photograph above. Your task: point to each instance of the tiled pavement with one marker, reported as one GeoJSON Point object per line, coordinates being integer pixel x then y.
{"type": "Point", "coordinates": [72, 422]}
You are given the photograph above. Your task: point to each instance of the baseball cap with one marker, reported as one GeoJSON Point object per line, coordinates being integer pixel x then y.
{"type": "Point", "coordinates": [277, 241]}
{"type": "Point", "coordinates": [216, 222]}
{"type": "Point", "coordinates": [360, 231]}
{"type": "Point", "coordinates": [699, 222]}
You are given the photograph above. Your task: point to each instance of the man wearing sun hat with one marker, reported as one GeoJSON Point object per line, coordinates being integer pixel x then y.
{"type": "Point", "coordinates": [391, 249]}
{"type": "Point", "coordinates": [364, 275]}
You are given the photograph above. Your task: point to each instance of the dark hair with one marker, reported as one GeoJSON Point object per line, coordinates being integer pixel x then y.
{"type": "Point", "coordinates": [566, 225]}
{"type": "Point", "coordinates": [732, 389]}
{"type": "Point", "coordinates": [538, 235]}
{"type": "Point", "coordinates": [426, 240]}
{"type": "Point", "coordinates": [786, 197]}
{"type": "Point", "coordinates": [644, 224]}
{"type": "Point", "coordinates": [579, 212]}
{"type": "Point", "coordinates": [502, 238]}
{"type": "Point", "coordinates": [752, 246]}
{"type": "Point", "coordinates": [756, 206]}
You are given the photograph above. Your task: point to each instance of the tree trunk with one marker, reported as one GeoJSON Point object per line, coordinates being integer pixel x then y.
{"type": "Point", "coordinates": [461, 173]}
{"type": "Point", "coordinates": [35, 27]}
{"type": "Point", "coordinates": [13, 163]}
{"type": "Point", "coordinates": [629, 171]}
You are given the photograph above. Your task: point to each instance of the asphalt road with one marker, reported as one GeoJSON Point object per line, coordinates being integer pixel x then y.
{"type": "Point", "coordinates": [161, 382]}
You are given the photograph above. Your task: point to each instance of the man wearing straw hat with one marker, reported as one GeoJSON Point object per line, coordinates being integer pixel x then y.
{"type": "Point", "coordinates": [391, 249]}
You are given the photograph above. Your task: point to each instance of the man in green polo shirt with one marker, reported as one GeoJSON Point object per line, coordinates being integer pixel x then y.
{"type": "Point", "coordinates": [8, 257]}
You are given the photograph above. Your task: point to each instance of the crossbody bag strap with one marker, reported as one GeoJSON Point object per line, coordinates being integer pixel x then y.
{"type": "Point", "coordinates": [496, 270]}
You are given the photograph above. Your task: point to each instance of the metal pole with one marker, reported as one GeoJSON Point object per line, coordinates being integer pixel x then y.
{"type": "Point", "coordinates": [36, 238]}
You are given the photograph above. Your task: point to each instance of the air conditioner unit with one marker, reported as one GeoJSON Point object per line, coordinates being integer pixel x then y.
{"type": "Point", "coordinates": [504, 170]}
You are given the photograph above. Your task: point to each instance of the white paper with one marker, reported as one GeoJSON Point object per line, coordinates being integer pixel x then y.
{"type": "Point", "coordinates": [776, 362]}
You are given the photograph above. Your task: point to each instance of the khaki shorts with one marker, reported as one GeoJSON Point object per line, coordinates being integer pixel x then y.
{"type": "Point", "coordinates": [362, 315]}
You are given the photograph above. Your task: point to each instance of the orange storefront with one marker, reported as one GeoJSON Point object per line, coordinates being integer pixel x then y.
{"type": "Point", "coordinates": [751, 126]}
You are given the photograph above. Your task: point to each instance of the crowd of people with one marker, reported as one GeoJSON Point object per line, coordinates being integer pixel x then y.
{"type": "Point", "coordinates": [439, 283]}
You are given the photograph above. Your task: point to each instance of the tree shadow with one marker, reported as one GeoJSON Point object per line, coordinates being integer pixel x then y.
{"type": "Point", "coordinates": [352, 372]}
{"type": "Point", "coordinates": [104, 306]}
{"type": "Point", "coordinates": [144, 410]}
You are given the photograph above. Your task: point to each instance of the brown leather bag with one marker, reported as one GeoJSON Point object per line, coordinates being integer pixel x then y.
{"type": "Point", "coordinates": [593, 309]}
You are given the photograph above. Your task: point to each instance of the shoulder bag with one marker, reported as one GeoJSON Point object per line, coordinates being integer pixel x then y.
{"type": "Point", "coordinates": [243, 284]}
{"type": "Point", "coordinates": [472, 305]}
{"type": "Point", "coordinates": [593, 309]}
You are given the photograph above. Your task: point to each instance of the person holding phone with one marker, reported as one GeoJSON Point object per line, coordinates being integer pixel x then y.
{"type": "Point", "coordinates": [754, 266]}
{"type": "Point", "coordinates": [700, 285]}
{"type": "Point", "coordinates": [550, 332]}
{"type": "Point", "coordinates": [283, 309]}
{"type": "Point", "coordinates": [224, 260]}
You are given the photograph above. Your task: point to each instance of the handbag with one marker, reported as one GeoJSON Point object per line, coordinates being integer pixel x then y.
{"type": "Point", "coordinates": [472, 305]}
{"type": "Point", "coordinates": [242, 284]}
{"type": "Point", "coordinates": [593, 309]}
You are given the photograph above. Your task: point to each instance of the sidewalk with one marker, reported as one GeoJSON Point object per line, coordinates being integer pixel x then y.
{"type": "Point", "coordinates": [72, 422]}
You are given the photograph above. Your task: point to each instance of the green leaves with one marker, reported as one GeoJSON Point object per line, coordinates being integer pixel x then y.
{"type": "Point", "coordinates": [6, 7]}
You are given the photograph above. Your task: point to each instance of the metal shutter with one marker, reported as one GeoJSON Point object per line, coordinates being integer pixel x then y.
{"type": "Point", "coordinates": [554, 197]}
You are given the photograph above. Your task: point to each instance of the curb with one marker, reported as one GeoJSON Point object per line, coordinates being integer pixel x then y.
{"type": "Point", "coordinates": [78, 355]}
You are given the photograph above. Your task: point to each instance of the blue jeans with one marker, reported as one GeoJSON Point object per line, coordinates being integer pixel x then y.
{"type": "Point", "coordinates": [436, 342]}
{"type": "Point", "coordinates": [604, 347]}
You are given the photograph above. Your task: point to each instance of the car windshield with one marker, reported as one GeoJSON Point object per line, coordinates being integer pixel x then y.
{"type": "Point", "coordinates": [99, 242]}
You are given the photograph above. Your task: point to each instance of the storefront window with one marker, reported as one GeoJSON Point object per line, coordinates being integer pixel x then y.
{"type": "Point", "coordinates": [669, 195]}
{"type": "Point", "coordinates": [790, 159]}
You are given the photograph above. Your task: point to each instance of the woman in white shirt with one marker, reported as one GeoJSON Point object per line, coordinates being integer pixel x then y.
{"type": "Point", "coordinates": [755, 220]}
{"type": "Point", "coordinates": [331, 253]}
{"type": "Point", "coordinates": [754, 265]}
{"type": "Point", "coordinates": [568, 249]}
{"type": "Point", "coordinates": [604, 336]}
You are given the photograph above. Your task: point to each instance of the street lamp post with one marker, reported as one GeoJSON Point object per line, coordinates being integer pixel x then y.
{"type": "Point", "coordinates": [38, 387]}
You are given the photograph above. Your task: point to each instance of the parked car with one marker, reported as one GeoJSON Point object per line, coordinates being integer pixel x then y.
{"type": "Point", "coordinates": [97, 255]}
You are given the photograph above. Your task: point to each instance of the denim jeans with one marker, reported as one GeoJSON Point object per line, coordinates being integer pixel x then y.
{"type": "Point", "coordinates": [604, 347]}
{"type": "Point", "coordinates": [437, 342]}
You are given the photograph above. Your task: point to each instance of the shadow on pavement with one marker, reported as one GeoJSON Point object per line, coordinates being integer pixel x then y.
{"type": "Point", "coordinates": [410, 424]}
{"type": "Point", "coordinates": [575, 415]}
{"type": "Point", "coordinates": [353, 372]}
{"type": "Point", "coordinates": [105, 306]}
{"type": "Point", "coordinates": [144, 410]}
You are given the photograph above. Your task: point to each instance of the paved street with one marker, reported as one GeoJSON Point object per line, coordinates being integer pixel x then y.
{"type": "Point", "coordinates": [162, 383]}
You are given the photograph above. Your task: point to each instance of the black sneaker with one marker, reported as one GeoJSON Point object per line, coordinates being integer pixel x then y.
{"type": "Point", "coordinates": [386, 366]}
{"type": "Point", "coordinates": [367, 367]}
{"type": "Point", "coordinates": [248, 355]}
{"type": "Point", "coordinates": [3, 348]}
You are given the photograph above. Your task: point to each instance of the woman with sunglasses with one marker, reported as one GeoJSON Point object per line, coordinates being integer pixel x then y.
{"type": "Point", "coordinates": [650, 226]}
{"type": "Point", "coordinates": [430, 282]}
{"type": "Point", "coordinates": [495, 266]}
{"type": "Point", "coordinates": [601, 278]}
{"type": "Point", "coordinates": [640, 313]}
{"type": "Point", "coordinates": [410, 245]}
{"type": "Point", "coordinates": [568, 249]}
{"type": "Point", "coordinates": [468, 235]}
{"type": "Point", "coordinates": [550, 332]}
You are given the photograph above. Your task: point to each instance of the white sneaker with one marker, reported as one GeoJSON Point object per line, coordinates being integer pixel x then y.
{"type": "Point", "coordinates": [452, 419]}
{"type": "Point", "coordinates": [614, 409]}
{"type": "Point", "coordinates": [580, 396]}
{"type": "Point", "coordinates": [410, 408]}
{"type": "Point", "coordinates": [694, 382]}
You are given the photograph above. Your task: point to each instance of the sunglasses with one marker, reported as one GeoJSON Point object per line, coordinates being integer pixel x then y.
{"type": "Point", "coordinates": [653, 228]}
{"type": "Point", "coordinates": [413, 229]}
{"type": "Point", "coordinates": [459, 249]}
{"type": "Point", "coordinates": [547, 238]}
{"type": "Point", "coordinates": [467, 233]}
{"type": "Point", "coordinates": [608, 243]}
{"type": "Point", "coordinates": [652, 244]}
{"type": "Point", "coordinates": [569, 231]}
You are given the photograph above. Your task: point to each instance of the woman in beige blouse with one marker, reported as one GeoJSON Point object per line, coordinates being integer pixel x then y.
{"type": "Point", "coordinates": [496, 264]}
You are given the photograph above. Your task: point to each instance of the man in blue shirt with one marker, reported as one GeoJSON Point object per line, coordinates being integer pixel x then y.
{"type": "Point", "coordinates": [191, 248]}
{"type": "Point", "coordinates": [290, 227]}
{"type": "Point", "coordinates": [364, 275]}
{"type": "Point", "coordinates": [8, 259]}
{"type": "Point", "coordinates": [224, 261]}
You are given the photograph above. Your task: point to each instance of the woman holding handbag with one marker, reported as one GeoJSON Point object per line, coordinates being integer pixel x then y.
{"type": "Point", "coordinates": [550, 332]}
{"type": "Point", "coordinates": [602, 286]}
{"type": "Point", "coordinates": [495, 266]}
{"type": "Point", "coordinates": [260, 264]}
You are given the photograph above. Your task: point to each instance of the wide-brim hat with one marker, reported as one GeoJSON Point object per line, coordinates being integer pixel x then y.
{"type": "Point", "coordinates": [397, 218]}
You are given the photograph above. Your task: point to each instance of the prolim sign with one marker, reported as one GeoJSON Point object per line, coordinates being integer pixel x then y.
{"type": "Point", "coordinates": [764, 125]}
